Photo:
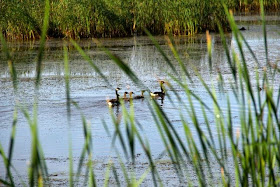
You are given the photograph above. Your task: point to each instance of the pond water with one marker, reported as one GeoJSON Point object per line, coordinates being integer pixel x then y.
{"type": "Point", "coordinates": [90, 91]}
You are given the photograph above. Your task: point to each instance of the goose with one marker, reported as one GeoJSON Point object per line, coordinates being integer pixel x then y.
{"type": "Point", "coordinates": [140, 96]}
{"type": "Point", "coordinates": [130, 96]}
{"type": "Point", "coordinates": [114, 102]}
{"type": "Point", "coordinates": [159, 94]}
{"type": "Point", "coordinates": [124, 95]}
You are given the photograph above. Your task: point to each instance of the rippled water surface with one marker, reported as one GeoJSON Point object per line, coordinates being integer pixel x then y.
{"type": "Point", "coordinates": [90, 91]}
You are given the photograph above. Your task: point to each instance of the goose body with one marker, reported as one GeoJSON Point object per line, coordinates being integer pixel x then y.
{"type": "Point", "coordinates": [113, 102]}
{"type": "Point", "coordinates": [242, 29]}
{"type": "Point", "coordinates": [157, 94]}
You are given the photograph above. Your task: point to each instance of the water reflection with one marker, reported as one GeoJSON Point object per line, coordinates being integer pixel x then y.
{"type": "Point", "coordinates": [139, 53]}
{"type": "Point", "coordinates": [142, 57]}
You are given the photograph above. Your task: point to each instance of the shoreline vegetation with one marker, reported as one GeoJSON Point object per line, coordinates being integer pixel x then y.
{"type": "Point", "coordinates": [22, 20]}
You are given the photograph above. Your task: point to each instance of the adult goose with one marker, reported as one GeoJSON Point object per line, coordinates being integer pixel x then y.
{"type": "Point", "coordinates": [159, 94]}
{"type": "Point", "coordinates": [114, 102]}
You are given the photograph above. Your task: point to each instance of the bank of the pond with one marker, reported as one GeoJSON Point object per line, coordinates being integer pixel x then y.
{"type": "Point", "coordinates": [105, 18]}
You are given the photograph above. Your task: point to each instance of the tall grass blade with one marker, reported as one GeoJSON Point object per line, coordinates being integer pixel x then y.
{"type": "Point", "coordinates": [42, 43]}
{"type": "Point", "coordinates": [67, 81]}
{"type": "Point", "coordinates": [118, 133]}
{"type": "Point", "coordinates": [264, 32]}
{"type": "Point", "coordinates": [86, 149]}
{"type": "Point", "coordinates": [38, 168]}
{"type": "Point", "coordinates": [124, 171]}
{"type": "Point", "coordinates": [121, 64]}
{"type": "Point", "coordinates": [88, 138]}
{"type": "Point", "coordinates": [143, 177]}
{"type": "Point", "coordinates": [167, 147]}
{"type": "Point", "coordinates": [92, 181]}
{"type": "Point", "coordinates": [7, 165]}
{"type": "Point", "coordinates": [185, 87]}
{"type": "Point", "coordinates": [244, 71]}
{"type": "Point", "coordinates": [167, 60]}
{"type": "Point", "coordinates": [209, 91]}
{"type": "Point", "coordinates": [116, 175]}
{"type": "Point", "coordinates": [209, 49]}
{"type": "Point", "coordinates": [11, 64]}
{"type": "Point", "coordinates": [148, 153]}
{"type": "Point", "coordinates": [91, 63]}
{"type": "Point", "coordinates": [67, 93]}
{"type": "Point", "coordinates": [5, 182]}
{"type": "Point", "coordinates": [170, 136]}
{"type": "Point", "coordinates": [107, 174]}
{"type": "Point", "coordinates": [71, 183]}
{"type": "Point", "coordinates": [250, 49]}
{"type": "Point", "coordinates": [229, 61]}
{"type": "Point", "coordinates": [12, 141]}
{"type": "Point", "coordinates": [176, 55]}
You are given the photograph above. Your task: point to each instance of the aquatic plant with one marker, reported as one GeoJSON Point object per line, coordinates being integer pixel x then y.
{"type": "Point", "coordinates": [255, 5]}
{"type": "Point", "coordinates": [105, 18]}
{"type": "Point", "coordinates": [253, 151]}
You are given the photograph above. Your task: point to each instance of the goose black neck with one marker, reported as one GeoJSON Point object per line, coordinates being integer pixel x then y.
{"type": "Point", "coordinates": [117, 94]}
{"type": "Point", "coordinates": [161, 87]}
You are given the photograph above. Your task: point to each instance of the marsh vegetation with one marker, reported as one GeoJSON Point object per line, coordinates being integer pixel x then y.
{"type": "Point", "coordinates": [217, 125]}
{"type": "Point", "coordinates": [105, 18]}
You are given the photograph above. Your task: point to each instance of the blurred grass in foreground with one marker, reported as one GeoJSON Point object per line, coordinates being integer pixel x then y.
{"type": "Point", "coordinates": [253, 151]}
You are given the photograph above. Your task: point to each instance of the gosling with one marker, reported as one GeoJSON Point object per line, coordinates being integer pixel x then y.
{"type": "Point", "coordinates": [140, 96]}
{"type": "Point", "coordinates": [130, 96]}
{"type": "Point", "coordinates": [124, 95]}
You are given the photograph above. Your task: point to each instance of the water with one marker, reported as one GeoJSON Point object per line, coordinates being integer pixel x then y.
{"type": "Point", "coordinates": [90, 91]}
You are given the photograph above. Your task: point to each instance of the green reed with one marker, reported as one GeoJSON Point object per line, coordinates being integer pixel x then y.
{"type": "Point", "coordinates": [105, 18]}
{"type": "Point", "coordinates": [254, 149]}
{"type": "Point", "coordinates": [256, 5]}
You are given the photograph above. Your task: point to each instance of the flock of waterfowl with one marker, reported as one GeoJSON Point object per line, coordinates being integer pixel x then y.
{"type": "Point", "coordinates": [116, 102]}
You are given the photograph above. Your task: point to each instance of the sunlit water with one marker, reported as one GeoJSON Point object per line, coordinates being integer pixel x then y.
{"type": "Point", "coordinates": [90, 91]}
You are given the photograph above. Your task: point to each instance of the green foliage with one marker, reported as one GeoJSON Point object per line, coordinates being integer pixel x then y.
{"type": "Point", "coordinates": [254, 150]}
{"type": "Point", "coordinates": [105, 18]}
{"type": "Point", "coordinates": [255, 5]}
